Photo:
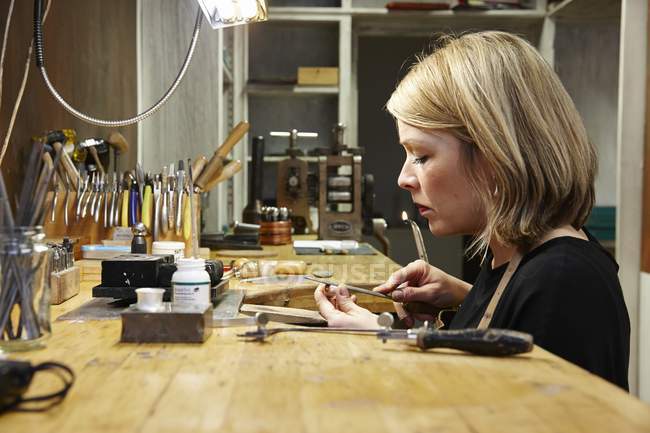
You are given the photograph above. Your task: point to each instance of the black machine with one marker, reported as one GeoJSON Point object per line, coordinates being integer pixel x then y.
{"type": "Point", "coordinates": [123, 274]}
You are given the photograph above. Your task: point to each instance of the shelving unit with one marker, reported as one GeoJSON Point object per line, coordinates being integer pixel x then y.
{"type": "Point", "coordinates": [585, 10]}
{"type": "Point", "coordinates": [289, 89]}
{"type": "Point", "coordinates": [272, 106]}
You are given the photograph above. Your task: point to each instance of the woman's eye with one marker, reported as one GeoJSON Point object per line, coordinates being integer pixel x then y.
{"type": "Point", "coordinates": [420, 160]}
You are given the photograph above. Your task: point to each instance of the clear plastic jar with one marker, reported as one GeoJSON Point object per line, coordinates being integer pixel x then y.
{"type": "Point", "coordinates": [24, 289]}
{"type": "Point", "coordinates": [191, 283]}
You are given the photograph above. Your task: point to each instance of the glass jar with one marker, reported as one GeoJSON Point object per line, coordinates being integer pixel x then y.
{"type": "Point", "coordinates": [24, 289]}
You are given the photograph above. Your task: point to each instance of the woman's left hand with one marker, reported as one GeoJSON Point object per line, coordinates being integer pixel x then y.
{"type": "Point", "coordinates": [340, 310]}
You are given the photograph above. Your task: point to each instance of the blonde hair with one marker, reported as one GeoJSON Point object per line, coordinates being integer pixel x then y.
{"type": "Point", "coordinates": [494, 92]}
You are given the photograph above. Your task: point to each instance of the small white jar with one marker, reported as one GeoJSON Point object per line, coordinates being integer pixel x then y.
{"type": "Point", "coordinates": [177, 249]}
{"type": "Point", "coordinates": [149, 299]}
{"type": "Point", "coordinates": [191, 283]}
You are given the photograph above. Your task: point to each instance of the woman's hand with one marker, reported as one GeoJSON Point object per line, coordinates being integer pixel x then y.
{"type": "Point", "coordinates": [340, 310]}
{"type": "Point", "coordinates": [421, 282]}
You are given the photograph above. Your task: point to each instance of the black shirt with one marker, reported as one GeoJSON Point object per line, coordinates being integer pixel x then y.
{"type": "Point", "coordinates": [566, 294]}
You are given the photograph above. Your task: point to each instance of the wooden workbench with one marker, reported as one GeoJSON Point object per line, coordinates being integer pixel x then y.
{"type": "Point", "coordinates": [365, 271]}
{"type": "Point", "coordinates": [312, 383]}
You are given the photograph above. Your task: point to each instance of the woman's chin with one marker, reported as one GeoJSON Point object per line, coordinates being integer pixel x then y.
{"type": "Point", "coordinates": [438, 229]}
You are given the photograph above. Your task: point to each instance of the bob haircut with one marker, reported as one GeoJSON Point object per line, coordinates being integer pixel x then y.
{"type": "Point", "coordinates": [526, 151]}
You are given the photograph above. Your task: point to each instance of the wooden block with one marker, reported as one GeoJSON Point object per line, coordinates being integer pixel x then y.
{"type": "Point", "coordinates": [64, 285]}
{"type": "Point", "coordinates": [91, 270]}
{"type": "Point", "coordinates": [320, 76]}
{"type": "Point", "coordinates": [174, 324]}
{"type": "Point", "coordinates": [285, 315]}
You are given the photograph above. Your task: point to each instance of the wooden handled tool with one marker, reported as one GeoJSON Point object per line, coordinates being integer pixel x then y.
{"type": "Point", "coordinates": [228, 171]}
{"type": "Point", "coordinates": [197, 167]}
{"type": "Point", "coordinates": [93, 153]}
{"type": "Point", "coordinates": [119, 145]}
{"type": "Point", "coordinates": [73, 174]}
{"type": "Point", "coordinates": [214, 167]}
{"type": "Point", "coordinates": [118, 142]}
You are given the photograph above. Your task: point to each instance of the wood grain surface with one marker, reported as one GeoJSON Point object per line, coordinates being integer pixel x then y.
{"type": "Point", "coordinates": [285, 315]}
{"type": "Point", "coordinates": [363, 271]}
{"type": "Point", "coordinates": [312, 383]}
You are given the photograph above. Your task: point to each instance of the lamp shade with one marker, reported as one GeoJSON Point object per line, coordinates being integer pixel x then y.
{"type": "Point", "coordinates": [226, 13]}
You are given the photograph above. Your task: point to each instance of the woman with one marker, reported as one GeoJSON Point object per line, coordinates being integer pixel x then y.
{"type": "Point", "coordinates": [495, 148]}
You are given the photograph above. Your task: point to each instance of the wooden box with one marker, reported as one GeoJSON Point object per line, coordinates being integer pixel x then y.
{"type": "Point", "coordinates": [320, 76]}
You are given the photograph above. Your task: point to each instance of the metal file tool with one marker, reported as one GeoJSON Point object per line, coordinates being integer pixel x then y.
{"type": "Point", "coordinates": [349, 287]}
{"type": "Point", "coordinates": [487, 342]}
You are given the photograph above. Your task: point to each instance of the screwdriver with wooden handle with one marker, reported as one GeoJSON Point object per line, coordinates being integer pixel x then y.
{"type": "Point", "coordinates": [228, 171]}
{"type": "Point", "coordinates": [214, 167]}
{"type": "Point", "coordinates": [119, 145]}
{"type": "Point", "coordinates": [197, 167]}
{"type": "Point", "coordinates": [73, 174]}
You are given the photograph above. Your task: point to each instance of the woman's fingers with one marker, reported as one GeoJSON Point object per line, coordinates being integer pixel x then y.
{"type": "Point", "coordinates": [344, 301]}
{"type": "Point", "coordinates": [413, 272]}
{"type": "Point", "coordinates": [325, 306]}
{"type": "Point", "coordinates": [408, 293]}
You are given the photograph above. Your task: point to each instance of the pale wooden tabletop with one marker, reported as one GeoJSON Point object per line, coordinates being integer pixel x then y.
{"type": "Point", "coordinates": [312, 383]}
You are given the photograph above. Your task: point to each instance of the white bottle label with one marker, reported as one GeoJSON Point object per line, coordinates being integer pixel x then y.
{"type": "Point", "coordinates": [191, 293]}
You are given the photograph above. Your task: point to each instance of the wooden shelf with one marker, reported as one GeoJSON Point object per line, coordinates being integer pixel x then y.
{"type": "Point", "coordinates": [380, 21]}
{"type": "Point", "coordinates": [324, 13]}
{"type": "Point", "coordinates": [277, 158]}
{"type": "Point", "coordinates": [585, 10]}
{"type": "Point", "coordinates": [289, 89]}
{"type": "Point", "coordinates": [309, 14]}
{"type": "Point", "coordinates": [449, 14]}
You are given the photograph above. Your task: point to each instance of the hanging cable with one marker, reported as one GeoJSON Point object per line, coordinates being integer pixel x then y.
{"type": "Point", "coordinates": [21, 90]}
{"type": "Point", "coordinates": [40, 64]}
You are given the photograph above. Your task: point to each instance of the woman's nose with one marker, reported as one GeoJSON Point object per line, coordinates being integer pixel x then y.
{"type": "Point", "coordinates": [407, 179]}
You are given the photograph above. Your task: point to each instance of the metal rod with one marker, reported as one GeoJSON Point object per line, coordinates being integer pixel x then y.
{"type": "Point", "coordinates": [194, 236]}
{"type": "Point", "coordinates": [417, 236]}
{"type": "Point", "coordinates": [349, 287]}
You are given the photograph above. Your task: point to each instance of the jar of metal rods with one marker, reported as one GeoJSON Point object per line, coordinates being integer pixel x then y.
{"type": "Point", "coordinates": [24, 289]}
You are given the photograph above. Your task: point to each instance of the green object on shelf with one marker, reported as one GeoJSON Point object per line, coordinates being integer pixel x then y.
{"type": "Point", "coordinates": [602, 223]}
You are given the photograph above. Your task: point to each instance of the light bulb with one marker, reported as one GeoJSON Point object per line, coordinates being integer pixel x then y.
{"type": "Point", "coordinates": [226, 10]}
{"type": "Point", "coordinates": [248, 9]}
{"type": "Point", "coordinates": [226, 13]}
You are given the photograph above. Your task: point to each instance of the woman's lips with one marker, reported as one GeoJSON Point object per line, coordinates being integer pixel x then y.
{"type": "Point", "coordinates": [422, 209]}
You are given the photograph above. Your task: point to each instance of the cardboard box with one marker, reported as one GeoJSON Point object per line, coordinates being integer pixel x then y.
{"type": "Point", "coordinates": [318, 76]}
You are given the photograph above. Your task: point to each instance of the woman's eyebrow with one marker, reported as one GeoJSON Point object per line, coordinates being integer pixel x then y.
{"type": "Point", "coordinates": [411, 143]}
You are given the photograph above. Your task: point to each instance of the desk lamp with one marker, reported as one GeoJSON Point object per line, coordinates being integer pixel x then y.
{"type": "Point", "coordinates": [220, 13]}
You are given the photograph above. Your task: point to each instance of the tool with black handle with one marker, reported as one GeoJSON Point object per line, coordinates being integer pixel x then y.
{"type": "Point", "coordinates": [484, 342]}
{"type": "Point", "coordinates": [253, 210]}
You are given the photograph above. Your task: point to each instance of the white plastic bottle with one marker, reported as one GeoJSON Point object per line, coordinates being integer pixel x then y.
{"type": "Point", "coordinates": [191, 283]}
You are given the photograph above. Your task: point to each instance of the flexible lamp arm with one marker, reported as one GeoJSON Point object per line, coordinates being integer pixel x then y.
{"type": "Point", "coordinates": [40, 64]}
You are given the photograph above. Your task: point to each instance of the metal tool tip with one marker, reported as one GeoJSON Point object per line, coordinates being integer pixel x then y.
{"type": "Point", "coordinates": [261, 318]}
{"type": "Point", "coordinates": [405, 216]}
{"type": "Point", "coordinates": [385, 320]}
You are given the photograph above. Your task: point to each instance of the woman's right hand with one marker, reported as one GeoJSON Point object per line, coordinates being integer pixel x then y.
{"type": "Point", "coordinates": [421, 282]}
